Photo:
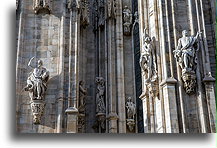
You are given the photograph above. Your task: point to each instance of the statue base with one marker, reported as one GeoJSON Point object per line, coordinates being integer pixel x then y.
{"type": "Point", "coordinates": [189, 79]}
{"type": "Point", "coordinates": [37, 107]}
{"type": "Point", "coordinates": [131, 124]}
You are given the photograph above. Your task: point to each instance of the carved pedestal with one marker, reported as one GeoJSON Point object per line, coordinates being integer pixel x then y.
{"type": "Point", "coordinates": [189, 79]}
{"type": "Point", "coordinates": [131, 124]}
{"type": "Point", "coordinates": [37, 107]}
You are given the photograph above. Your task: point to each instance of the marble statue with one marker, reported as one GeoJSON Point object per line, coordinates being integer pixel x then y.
{"type": "Point", "coordinates": [148, 59]}
{"type": "Point", "coordinates": [131, 108]}
{"type": "Point", "coordinates": [37, 80]}
{"type": "Point", "coordinates": [185, 52]}
{"type": "Point", "coordinates": [100, 90]}
{"type": "Point", "coordinates": [127, 20]}
{"type": "Point", "coordinates": [131, 112]}
{"type": "Point", "coordinates": [82, 96]}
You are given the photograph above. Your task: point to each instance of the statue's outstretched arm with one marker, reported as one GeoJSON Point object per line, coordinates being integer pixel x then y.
{"type": "Point", "coordinates": [30, 62]}
{"type": "Point", "coordinates": [198, 33]}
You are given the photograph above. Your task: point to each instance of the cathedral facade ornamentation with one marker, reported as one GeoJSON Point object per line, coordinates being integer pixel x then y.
{"type": "Point", "coordinates": [186, 55]}
{"type": "Point", "coordinates": [37, 86]}
{"type": "Point", "coordinates": [100, 101]}
{"type": "Point", "coordinates": [127, 20]}
{"type": "Point", "coordinates": [84, 13]}
{"type": "Point", "coordinates": [111, 8]}
{"type": "Point", "coordinates": [81, 107]}
{"type": "Point", "coordinates": [149, 66]}
{"type": "Point", "coordinates": [42, 6]}
{"type": "Point", "coordinates": [131, 112]}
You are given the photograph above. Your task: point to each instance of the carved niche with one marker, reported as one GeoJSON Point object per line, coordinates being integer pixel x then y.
{"type": "Point", "coordinates": [42, 6]}
{"type": "Point", "coordinates": [100, 102]}
{"type": "Point", "coordinates": [149, 67]}
{"type": "Point", "coordinates": [186, 56]}
{"type": "Point", "coordinates": [131, 112]}
{"type": "Point", "coordinates": [127, 20]}
{"type": "Point", "coordinates": [37, 86]}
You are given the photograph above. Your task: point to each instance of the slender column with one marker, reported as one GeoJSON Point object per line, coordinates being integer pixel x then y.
{"type": "Point", "coordinates": [111, 77]}
{"type": "Point", "coordinates": [72, 111]}
{"type": "Point", "coordinates": [61, 74]}
{"type": "Point", "coordinates": [19, 59]}
{"type": "Point", "coordinates": [168, 83]}
{"type": "Point", "coordinates": [120, 70]}
{"type": "Point", "coordinates": [181, 92]}
{"type": "Point", "coordinates": [209, 80]}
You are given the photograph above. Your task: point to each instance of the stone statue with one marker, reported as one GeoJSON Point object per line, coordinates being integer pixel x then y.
{"type": "Point", "coordinates": [185, 52]}
{"type": "Point", "coordinates": [149, 67]}
{"type": "Point", "coordinates": [131, 108]}
{"type": "Point", "coordinates": [37, 81]}
{"type": "Point", "coordinates": [148, 59]}
{"type": "Point", "coordinates": [131, 112]}
{"type": "Point", "coordinates": [127, 20]}
{"type": "Point", "coordinates": [100, 90]}
{"type": "Point", "coordinates": [82, 96]}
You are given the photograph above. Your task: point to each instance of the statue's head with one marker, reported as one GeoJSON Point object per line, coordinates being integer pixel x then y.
{"type": "Point", "coordinates": [129, 99]}
{"type": "Point", "coordinates": [184, 33]}
{"type": "Point", "coordinates": [147, 39]}
{"type": "Point", "coordinates": [125, 7]}
{"type": "Point", "coordinates": [40, 63]}
{"type": "Point", "coordinates": [81, 83]}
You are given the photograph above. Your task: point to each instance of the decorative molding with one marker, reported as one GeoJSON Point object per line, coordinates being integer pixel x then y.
{"type": "Point", "coordinates": [42, 6]}
{"type": "Point", "coordinates": [111, 8]}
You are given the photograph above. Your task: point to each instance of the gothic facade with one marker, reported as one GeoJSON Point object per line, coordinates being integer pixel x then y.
{"type": "Point", "coordinates": [115, 66]}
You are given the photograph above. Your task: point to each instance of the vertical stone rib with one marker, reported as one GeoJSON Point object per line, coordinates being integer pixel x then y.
{"type": "Point", "coordinates": [178, 69]}
{"type": "Point", "coordinates": [120, 70]}
{"type": "Point", "coordinates": [61, 74]}
{"type": "Point", "coordinates": [168, 83]}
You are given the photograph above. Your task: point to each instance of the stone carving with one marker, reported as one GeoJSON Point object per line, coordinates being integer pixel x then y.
{"type": "Point", "coordinates": [100, 103]}
{"type": "Point", "coordinates": [149, 66]}
{"type": "Point", "coordinates": [185, 54]}
{"type": "Point", "coordinates": [37, 107]}
{"type": "Point", "coordinates": [136, 17]}
{"type": "Point", "coordinates": [111, 8]}
{"type": "Point", "coordinates": [81, 107]}
{"type": "Point", "coordinates": [131, 111]}
{"type": "Point", "coordinates": [42, 6]}
{"type": "Point", "coordinates": [101, 13]}
{"type": "Point", "coordinates": [36, 86]}
{"type": "Point", "coordinates": [82, 97]}
{"type": "Point", "coordinates": [127, 20]}
{"type": "Point", "coordinates": [100, 95]}
{"type": "Point", "coordinates": [73, 4]}
{"type": "Point", "coordinates": [84, 13]}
